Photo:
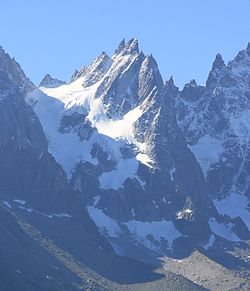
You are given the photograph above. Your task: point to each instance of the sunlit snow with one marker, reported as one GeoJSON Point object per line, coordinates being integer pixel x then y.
{"type": "Point", "coordinates": [224, 230]}
{"type": "Point", "coordinates": [233, 206]}
{"type": "Point", "coordinates": [141, 231]}
{"type": "Point", "coordinates": [124, 169]}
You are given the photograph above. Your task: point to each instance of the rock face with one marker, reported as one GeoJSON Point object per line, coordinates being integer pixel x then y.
{"type": "Point", "coordinates": [169, 154]}
{"type": "Point", "coordinates": [215, 120]}
{"type": "Point", "coordinates": [49, 82]}
{"type": "Point", "coordinates": [23, 144]}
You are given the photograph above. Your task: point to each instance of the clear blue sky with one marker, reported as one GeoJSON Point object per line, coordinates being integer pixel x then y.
{"type": "Point", "coordinates": [57, 36]}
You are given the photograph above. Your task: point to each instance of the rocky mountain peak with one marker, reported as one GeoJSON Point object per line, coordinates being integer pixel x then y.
{"type": "Point", "coordinates": [11, 73]}
{"type": "Point", "coordinates": [1, 50]}
{"type": "Point", "coordinates": [238, 71]}
{"type": "Point", "coordinates": [100, 60]}
{"type": "Point", "coordinates": [191, 91]}
{"type": "Point", "coordinates": [97, 69]}
{"type": "Point", "coordinates": [170, 82]}
{"type": "Point", "coordinates": [150, 61]}
{"type": "Point", "coordinates": [171, 86]}
{"type": "Point", "coordinates": [218, 62]}
{"type": "Point", "coordinates": [248, 48]}
{"type": "Point", "coordinates": [242, 56]}
{"type": "Point", "coordinates": [99, 65]}
{"type": "Point", "coordinates": [190, 86]}
{"type": "Point", "coordinates": [78, 73]}
{"type": "Point", "coordinates": [192, 83]}
{"type": "Point", "coordinates": [20, 126]}
{"type": "Point", "coordinates": [132, 47]}
{"type": "Point", "coordinates": [149, 76]}
{"type": "Point", "coordinates": [216, 71]}
{"type": "Point", "coordinates": [50, 82]}
{"type": "Point", "coordinates": [120, 47]}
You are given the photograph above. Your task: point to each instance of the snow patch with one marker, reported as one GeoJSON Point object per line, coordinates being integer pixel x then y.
{"type": "Point", "coordinates": [60, 215]}
{"type": "Point", "coordinates": [210, 243]}
{"type": "Point", "coordinates": [124, 170]}
{"type": "Point", "coordinates": [144, 159]}
{"type": "Point", "coordinates": [22, 202]}
{"type": "Point", "coordinates": [158, 229]}
{"type": "Point", "coordinates": [207, 151]}
{"type": "Point", "coordinates": [171, 172]}
{"type": "Point", "coordinates": [96, 200]}
{"type": "Point", "coordinates": [120, 128]}
{"type": "Point", "coordinates": [234, 205]}
{"type": "Point", "coordinates": [223, 230]}
{"type": "Point", "coordinates": [141, 231]}
{"type": "Point", "coordinates": [106, 225]}
{"type": "Point", "coordinates": [30, 210]}
{"type": "Point", "coordinates": [182, 213]}
{"type": "Point", "coordinates": [7, 204]}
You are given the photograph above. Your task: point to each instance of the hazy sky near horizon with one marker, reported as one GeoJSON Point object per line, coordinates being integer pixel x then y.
{"type": "Point", "coordinates": [52, 36]}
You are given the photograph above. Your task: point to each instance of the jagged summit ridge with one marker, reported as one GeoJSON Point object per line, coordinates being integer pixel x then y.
{"type": "Point", "coordinates": [131, 47]}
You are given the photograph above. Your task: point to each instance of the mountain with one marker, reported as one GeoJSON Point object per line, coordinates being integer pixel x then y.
{"type": "Point", "coordinates": [105, 176]}
{"type": "Point", "coordinates": [102, 127]}
{"type": "Point", "coordinates": [48, 241]}
{"type": "Point", "coordinates": [114, 131]}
